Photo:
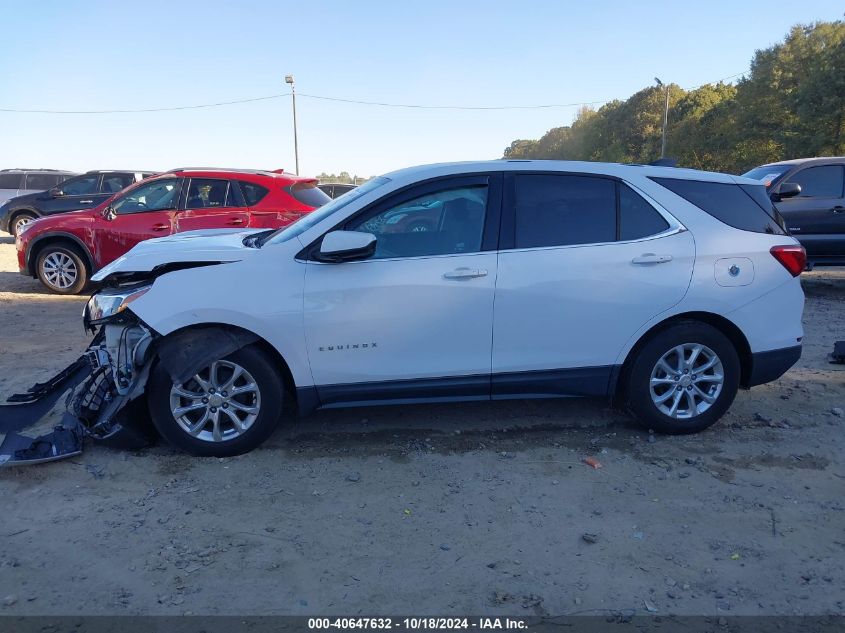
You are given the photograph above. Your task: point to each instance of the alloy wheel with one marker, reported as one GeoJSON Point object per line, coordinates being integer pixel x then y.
{"type": "Point", "coordinates": [60, 270]}
{"type": "Point", "coordinates": [686, 381]}
{"type": "Point", "coordinates": [218, 404]}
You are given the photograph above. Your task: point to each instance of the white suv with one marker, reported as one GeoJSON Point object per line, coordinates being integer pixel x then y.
{"type": "Point", "coordinates": [665, 289]}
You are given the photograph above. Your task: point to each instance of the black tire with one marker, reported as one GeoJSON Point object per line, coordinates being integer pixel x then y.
{"type": "Point", "coordinates": [270, 393]}
{"type": "Point", "coordinates": [18, 218]}
{"type": "Point", "coordinates": [639, 389]}
{"type": "Point", "coordinates": [59, 282]}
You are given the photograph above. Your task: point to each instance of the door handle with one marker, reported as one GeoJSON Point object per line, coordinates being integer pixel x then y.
{"type": "Point", "coordinates": [465, 273]}
{"type": "Point", "coordinates": [838, 209]}
{"type": "Point", "coordinates": [651, 258]}
{"type": "Point", "coordinates": [160, 227]}
{"type": "Point", "coordinates": [235, 221]}
{"type": "Point", "coordinates": [85, 201]}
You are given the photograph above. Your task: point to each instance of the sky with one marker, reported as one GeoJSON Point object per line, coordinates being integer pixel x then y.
{"type": "Point", "coordinates": [106, 55]}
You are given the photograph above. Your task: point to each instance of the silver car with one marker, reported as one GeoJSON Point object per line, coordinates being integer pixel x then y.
{"type": "Point", "coordinates": [17, 182]}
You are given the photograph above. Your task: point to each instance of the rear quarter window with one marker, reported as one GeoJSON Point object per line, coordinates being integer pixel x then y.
{"type": "Point", "coordinates": [10, 181]}
{"type": "Point", "coordinates": [729, 203]}
{"type": "Point", "coordinates": [253, 194]}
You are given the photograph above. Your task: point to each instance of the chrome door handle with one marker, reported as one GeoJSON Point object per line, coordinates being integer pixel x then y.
{"type": "Point", "coordinates": [651, 258]}
{"type": "Point", "coordinates": [465, 273]}
{"type": "Point", "coordinates": [85, 201]}
{"type": "Point", "coordinates": [160, 227]}
{"type": "Point", "coordinates": [235, 221]}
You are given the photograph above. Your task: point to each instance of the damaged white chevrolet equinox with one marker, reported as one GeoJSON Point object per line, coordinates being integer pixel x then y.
{"type": "Point", "coordinates": [665, 289]}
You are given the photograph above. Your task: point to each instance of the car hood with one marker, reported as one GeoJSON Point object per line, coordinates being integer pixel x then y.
{"type": "Point", "coordinates": [191, 247]}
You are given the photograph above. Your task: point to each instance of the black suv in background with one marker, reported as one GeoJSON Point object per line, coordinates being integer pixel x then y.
{"type": "Point", "coordinates": [81, 192]}
{"type": "Point", "coordinates": [810, 195]}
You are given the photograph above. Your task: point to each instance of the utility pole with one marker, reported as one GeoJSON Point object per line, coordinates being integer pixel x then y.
{"type": "Point", "coordinates": [289, 80]}
{"type": "Point", "coordinates": [665, 118]}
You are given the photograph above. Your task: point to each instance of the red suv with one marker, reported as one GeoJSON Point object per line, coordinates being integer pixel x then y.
{"type": "Point", "coordinates": [64, 250]}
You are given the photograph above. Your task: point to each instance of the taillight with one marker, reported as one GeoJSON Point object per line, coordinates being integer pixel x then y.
{"type": "Point", "coordinates": [793, 258]}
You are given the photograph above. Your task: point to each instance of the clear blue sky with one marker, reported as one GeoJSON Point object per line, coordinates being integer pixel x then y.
{"type": "Point", "coordinates": [98, 54]}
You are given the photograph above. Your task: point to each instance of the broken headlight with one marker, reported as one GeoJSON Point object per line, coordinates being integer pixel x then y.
{"type": "Point", "coordinates": [108, 303]}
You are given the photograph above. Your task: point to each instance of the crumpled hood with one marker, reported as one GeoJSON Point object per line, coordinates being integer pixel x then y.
{"type": "Point", "coordinates": [207, 245]}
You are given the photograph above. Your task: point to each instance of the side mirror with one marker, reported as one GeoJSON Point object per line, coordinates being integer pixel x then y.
{"type": "Point", "coordinates": [345, 246]}
{"type": "Point", "coordinates": [55, 192]}
{"type": "Point", "coordinates": [786, 190]}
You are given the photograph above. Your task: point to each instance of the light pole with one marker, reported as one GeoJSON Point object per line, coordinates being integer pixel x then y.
{"type": "Point", "coordinates": [289, 80]}
{"type": "Point", "coordinates": [665, 118]}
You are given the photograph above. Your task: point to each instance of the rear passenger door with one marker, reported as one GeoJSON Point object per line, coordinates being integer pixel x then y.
{"type": "Point", "coordinates": [212, 203]}
{"type": "Point", "coordinates": [584, 262]}
{"type": "Point", "coordinates": [817, 215]}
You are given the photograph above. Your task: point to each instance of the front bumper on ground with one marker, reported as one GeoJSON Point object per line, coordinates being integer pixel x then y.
{"type": "Point", "coordinates": [771, 365]}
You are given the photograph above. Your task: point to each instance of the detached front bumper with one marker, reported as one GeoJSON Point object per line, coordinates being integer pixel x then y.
{"type": "Point", "coordinates": [95, 396]}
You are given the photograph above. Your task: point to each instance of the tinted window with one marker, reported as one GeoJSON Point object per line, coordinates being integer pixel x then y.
{"type": "Point", "coordinates": [637, 218]}
{"type": "Point", "coordinates": [253, 193]}
{"type": "Point", "coordinates": [309, 194]}
{"type": "Point", "coordinates": [209, 193]}
{"type": "Point", "coordinates": [152, 196]}
{"type": "Point", "coordinates": [83, 185]}
{"type": "Point", "coordinates": [40, 182]}
{"type": "Point", "coordinates": [761, 197]}
{"type": "Point", "coordinates": [10, 181]}
{"type": "Point", "coordinates": [726, 202]}
{"type": "Point", "coordinates": [112, 183]}
{"type": "Point", "coordinates": [554, 210]}
{"type": "Point", "coordinates": [440, 223]}
{"type": "Point", "coordinates": [824, 181]}
{"type": "Point", "coordinates": [327, 189]}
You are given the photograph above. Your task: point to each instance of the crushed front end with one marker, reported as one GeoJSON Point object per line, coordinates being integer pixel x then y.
{"type": "Point", "coordinates": [101, 392]}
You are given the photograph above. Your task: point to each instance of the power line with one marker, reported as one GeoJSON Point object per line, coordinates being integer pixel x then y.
{"type": "Point", "coordinates": [383, 104]}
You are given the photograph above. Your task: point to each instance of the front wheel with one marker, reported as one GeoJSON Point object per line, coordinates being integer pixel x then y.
{"type": "Point", "coordinates": [683, 379]}
{"type": "Point", "coordinates": [19, 221]}
{"type": "Point", "coordinates": [61, 269]}
{"type": "Point", "coordinates": [227, 408]}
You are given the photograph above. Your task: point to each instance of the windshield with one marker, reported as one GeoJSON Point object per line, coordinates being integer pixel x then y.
{"type": "Point", "coordinates": [767, 174]}
{"type": "Point", "coordinates": [307, 221]}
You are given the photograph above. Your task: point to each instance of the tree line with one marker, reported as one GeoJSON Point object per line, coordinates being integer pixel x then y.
{"type": "Point", "coordinates": [790, 105]}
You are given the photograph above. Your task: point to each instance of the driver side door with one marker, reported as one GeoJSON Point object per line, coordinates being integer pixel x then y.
{"type": "Point", "coordinates": [144, 212]}
{"type": "Point", "coordinates": [414, 320]}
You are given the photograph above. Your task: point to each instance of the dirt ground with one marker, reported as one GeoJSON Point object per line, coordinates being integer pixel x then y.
{"type": "Point", "coordinates": [447, 509]}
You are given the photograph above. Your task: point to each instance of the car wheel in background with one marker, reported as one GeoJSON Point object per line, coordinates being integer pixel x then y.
{"type": "Point", "coordinates": [227, 408]}
{"type": "Point", "coordinates": [62, 269]}
{"type": "Point", "coordinates": [683, 379]}
{"type": "Point", "coordinates": [18, 221]}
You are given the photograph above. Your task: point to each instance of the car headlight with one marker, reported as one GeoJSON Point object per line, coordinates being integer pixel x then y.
{"type": "Point", "coordinates": [109, 303]}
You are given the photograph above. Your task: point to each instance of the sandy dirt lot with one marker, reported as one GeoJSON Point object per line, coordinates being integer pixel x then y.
{"type": "Point", "coordinates": [475, 508]}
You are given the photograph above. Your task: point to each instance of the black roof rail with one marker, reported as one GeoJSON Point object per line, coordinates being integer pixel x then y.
{"type": "Point", "coordinates": [664, 162]}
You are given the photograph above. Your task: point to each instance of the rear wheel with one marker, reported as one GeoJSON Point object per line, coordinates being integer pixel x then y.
{"type": "Point", "coordinates": [227, 408]}
{"type": "Point", "coordinates": [19, 221]}
{"type": "Point", "coordinates": [61, 269]}
{"type": "Point", "coordinates": [683, 379]}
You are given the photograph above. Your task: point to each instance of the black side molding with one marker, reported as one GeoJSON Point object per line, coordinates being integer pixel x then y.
{"type": "Point", "coordinates": [771, 365]}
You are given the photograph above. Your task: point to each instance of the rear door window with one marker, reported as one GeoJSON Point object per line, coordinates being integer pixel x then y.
{"type": "Point", "coordinates": [80, 186]}
{"type": "Point", "coordinates": [209, 193]}
{"type": "Point", "coordinates": [112, 183]}
{"type": "Point", "coordinates": [824, 181]}
{"type": "Point", "coordinates": [727, 202]}
{"type": "Point", "coordinates": [562, 210]}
